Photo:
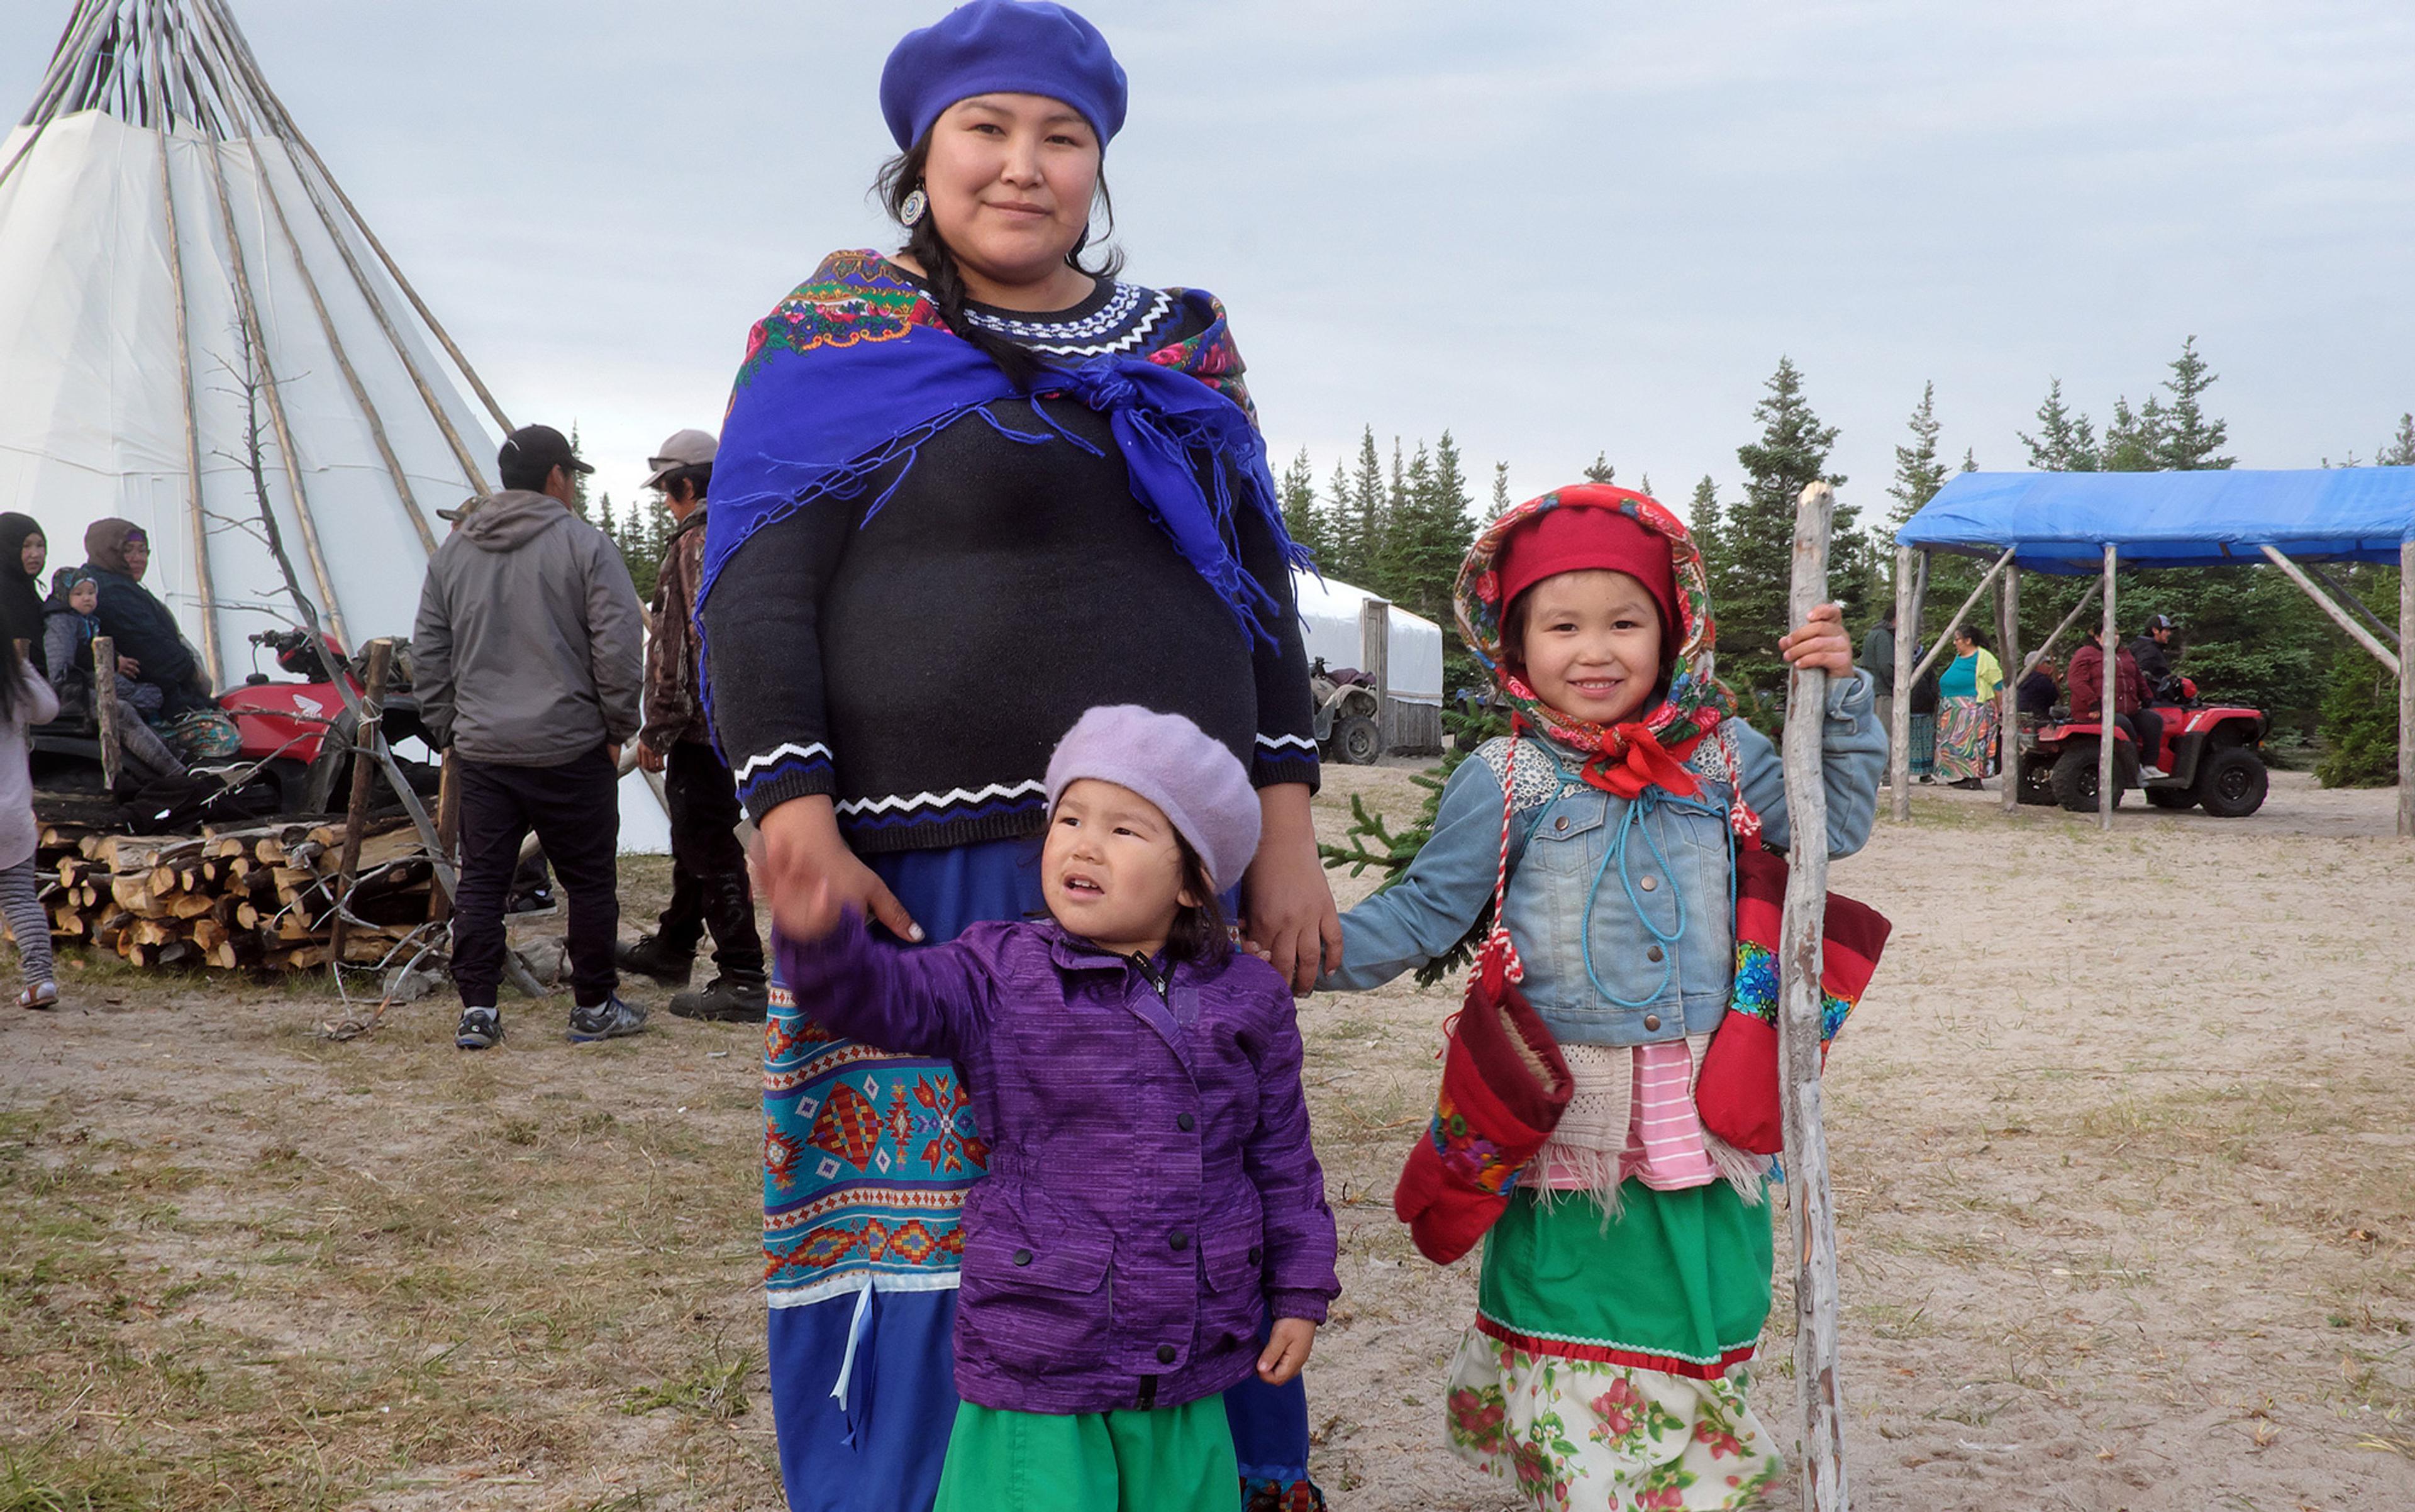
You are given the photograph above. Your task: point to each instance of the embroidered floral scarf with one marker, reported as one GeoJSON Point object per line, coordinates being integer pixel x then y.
{"type": "Point", "coordinates": [1649, 751]}
{"type": "Point", "coordinates": [853, 371]}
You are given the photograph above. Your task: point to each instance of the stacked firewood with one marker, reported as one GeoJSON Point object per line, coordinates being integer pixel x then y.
{"type": "Point", "coordinates": [263, 897]}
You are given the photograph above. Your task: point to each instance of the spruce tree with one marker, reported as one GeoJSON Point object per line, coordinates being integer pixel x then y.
{"type": "Point", "coordinates": [1707, 522]}
{"type": "Point", "coordinates": [2135, 439]}
{"type": "Point", "coordinates": [1791, 455]}
{"type": "Point", "coordinates": [2066, 442]}
{"type": "Point", "coordinates": [1367, 510]}
{"type": "Point", "coordinates": [1340, 527]}
{"type": "Point", "coordinates": [1431, 531]}
{"type": "Point", "coordinates": [2399, 450]}
{"type": "Point", "coordinates": [1919, 472]}
{"type": "Point", "coordinates": [1302, 516]}
{"type": "Point", "coordinates": [1502, 503]}
{"type": "Point", "coordinates": [2191, 438]}
{"type": "Point", "coordinates": [1600, 470]}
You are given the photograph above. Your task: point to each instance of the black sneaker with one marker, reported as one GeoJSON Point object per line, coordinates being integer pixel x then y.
{"type": "Point", "coordinates": [727, 1000]}
{"type": "Point", "coordinates": [647, 956]}
{"type": "Point", "coordinates": [607, 1020]}
{"type": "Point", "coordinates": [480, 1028]}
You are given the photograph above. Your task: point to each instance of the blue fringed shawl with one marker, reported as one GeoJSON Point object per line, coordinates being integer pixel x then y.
{"type": "Point", "coordinates": [853, 372]}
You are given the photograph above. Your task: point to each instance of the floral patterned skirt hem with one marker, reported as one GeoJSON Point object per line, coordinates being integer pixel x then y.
{"type": "Point", "coordinates": [1576, 1435]}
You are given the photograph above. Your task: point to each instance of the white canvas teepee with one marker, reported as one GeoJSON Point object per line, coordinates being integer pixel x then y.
{"type": "Point", "coordinates": [166, 231]}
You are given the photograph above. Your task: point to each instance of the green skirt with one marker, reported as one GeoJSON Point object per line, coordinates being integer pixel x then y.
{"type": "Point", "coordinates": [1679, 1281]}
{"type": "Point", "coordinates": [1162, 1460]}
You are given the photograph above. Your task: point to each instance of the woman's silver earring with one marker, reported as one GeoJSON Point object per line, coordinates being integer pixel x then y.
{"type": "Point", "coordinates": [917, 205]}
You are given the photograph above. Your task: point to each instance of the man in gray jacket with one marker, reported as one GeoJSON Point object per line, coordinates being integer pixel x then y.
{"type": "Point", "coordinates": [527, 660]}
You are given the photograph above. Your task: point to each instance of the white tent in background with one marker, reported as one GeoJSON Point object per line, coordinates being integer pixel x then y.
{"type": "Point", "coordinates": [167, 235]}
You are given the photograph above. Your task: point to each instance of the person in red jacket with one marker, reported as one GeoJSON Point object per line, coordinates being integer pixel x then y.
{"type": "Point", "coordinates": [2130, 695]}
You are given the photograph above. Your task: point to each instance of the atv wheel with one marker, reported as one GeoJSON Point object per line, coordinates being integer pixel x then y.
{"type": "Point", "coordinates": [2233, 783]}
{"type": "Point", "coordinates": [1357, 741]}
{"type": "Point", "coordinates": [2173, 797]}
{"type": "Point", "coordinates": [2075, 779]}
{"type": "Point", "coordinates": [2037, 782]}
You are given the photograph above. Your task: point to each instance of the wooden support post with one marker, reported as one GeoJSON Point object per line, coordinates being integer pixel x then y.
{"type": "Point", "coordinates": [1906, 632]}
{"type": "Point", "coordinates": [369, 733]}
{"type": "Point", "coordinates": [2108, 719]}
{"type": "Point", "coordinates": [1946, 637]}
{"type": "Point", "coordinates": [2405, 691]}
{"type": "Point", "coordinates": [1375, 660]}
{"type": "Point", "coordinates": [105, 711]}
{"type": "Point", "coordinates": [448, 835]}
{"type": "Point", "coordinates": [2030, 665]}
{"type": "Point", "coordinates": [2339, 616]}
{"type": "Point", "coordinates": [1809, 1203]}
{"type": "Point", "coordinates": [2008, 716]}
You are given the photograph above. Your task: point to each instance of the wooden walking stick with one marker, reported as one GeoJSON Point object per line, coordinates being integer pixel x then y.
{"type": "Point", "coordinates": [1810, 1205]}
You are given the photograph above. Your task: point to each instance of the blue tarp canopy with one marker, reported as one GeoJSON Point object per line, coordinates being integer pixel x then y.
{"type": "Point", "coordinates": [2062, 521]}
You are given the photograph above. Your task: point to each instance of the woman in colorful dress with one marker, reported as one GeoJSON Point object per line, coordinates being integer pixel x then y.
{"type": "Point", "coordinates": [1966, 717]}
{"type": "Point", "coordinates": [964, 492]}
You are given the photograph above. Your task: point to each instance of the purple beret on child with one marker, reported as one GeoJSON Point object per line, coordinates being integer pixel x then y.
{"type": "Point", "coordinates": [1001, 46]}
{"type": "Point", "coordinates": [1201, 787]}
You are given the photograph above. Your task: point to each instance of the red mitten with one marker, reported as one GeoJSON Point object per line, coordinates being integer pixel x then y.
{"type": "Point", "coordinates": [1736, 1090]}
{"type": "Point", "coordinates": [1504, 1087]}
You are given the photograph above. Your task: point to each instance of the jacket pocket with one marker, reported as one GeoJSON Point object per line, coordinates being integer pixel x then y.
{"type": "Point", "coordinates": [1568, 835]}
{"type": "Point", "coordinates": [1032, 1297]}
{"type": "Point", "coordinates": [1233, 1258]}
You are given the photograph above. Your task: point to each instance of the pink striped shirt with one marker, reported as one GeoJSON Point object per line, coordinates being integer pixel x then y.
{"type": "Point", "coordinates": [1664, 1133]}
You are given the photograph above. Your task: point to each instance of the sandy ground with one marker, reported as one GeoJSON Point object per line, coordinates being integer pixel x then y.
{"type": "Point", "coordinates": [2121, 1138]}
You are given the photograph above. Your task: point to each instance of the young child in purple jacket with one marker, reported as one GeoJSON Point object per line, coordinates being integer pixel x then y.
{"type": "Point", "coordinates": [1151, 1195]}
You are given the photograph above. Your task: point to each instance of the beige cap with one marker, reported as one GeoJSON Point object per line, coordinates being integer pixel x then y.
{"type": "Point", "coordinates": [685, 448]}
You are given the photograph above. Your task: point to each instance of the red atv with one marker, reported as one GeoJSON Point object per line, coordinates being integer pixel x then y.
{"type": "Point", "coordinates": [2213, 756]}
{"type": "Point", "coordinates": [285, 728]}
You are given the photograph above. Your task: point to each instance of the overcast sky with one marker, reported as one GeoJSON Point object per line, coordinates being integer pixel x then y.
{"type": "Point", "coordinates": [1554, 228]}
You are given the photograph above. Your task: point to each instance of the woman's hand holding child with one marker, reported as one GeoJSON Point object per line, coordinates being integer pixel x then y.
{"type": "Point", "coordinates": [797, 847]}
{"type": "Point", "coordinates": [1820, 644]}
{"type": "Point", "coordinates": [1287, 1346]}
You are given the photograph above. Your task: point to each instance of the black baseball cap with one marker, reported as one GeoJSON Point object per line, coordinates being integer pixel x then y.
{"type": "Point", "coordinates": [539, 446]}
{"type": "Point", "coordinates": [2160, 621]}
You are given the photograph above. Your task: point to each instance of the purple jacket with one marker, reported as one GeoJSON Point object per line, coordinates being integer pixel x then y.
{"type": "Point", "coordinates": [1151, 1194]}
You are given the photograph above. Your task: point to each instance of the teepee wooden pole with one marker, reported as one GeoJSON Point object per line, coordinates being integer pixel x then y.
{"type": "Point", "coordinates": [1810, 1203]}
{"type": "Point", "coordinates": [196, 517]}
{"type": "Point", "coordinates": [343, 359]}
{"type": "Point", "coordinates": [285, 129]}
{"type": "Point", "coordinates": [294, 133]}
{"type": "Point", "coordinates": [55, 82]}
{"type": "Point", "coordinates": [269, 391]}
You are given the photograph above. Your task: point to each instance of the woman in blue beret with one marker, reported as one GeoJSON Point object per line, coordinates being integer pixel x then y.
{"type": "Point", "coordinates": [965, 491]}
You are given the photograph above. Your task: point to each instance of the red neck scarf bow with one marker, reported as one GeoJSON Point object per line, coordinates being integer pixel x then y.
{"type": "Point", "coordinates": [1633, 759]}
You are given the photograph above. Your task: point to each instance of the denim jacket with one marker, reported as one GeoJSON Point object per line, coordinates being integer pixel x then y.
{"type": "Point", "coordinates": [1622, 912]}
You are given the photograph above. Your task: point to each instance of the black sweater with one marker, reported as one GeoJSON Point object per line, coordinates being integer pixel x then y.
{"type": "Point", "coordinates": [919, 665]}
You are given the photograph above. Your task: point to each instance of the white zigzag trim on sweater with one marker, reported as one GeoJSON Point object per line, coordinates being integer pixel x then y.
{"type": "Point", "coordinates": [948, 799]}
{"type": "Point", "coordinates": [804, 753]}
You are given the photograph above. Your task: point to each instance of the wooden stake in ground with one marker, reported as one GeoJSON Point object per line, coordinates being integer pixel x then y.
{"type": "Point", "coordinates": [2108, 720]}
{"type": "Point", "coordinates": [2008, 714]}
{"type": "Point", "coordinates": [1811, 1205]}
{"type": "Point", "coordinates": [104, 710]}
{"type": "Point", "coordinates": [368, 734]}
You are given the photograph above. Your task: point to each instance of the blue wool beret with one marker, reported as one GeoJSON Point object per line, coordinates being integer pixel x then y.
{"type": "Point", "coordinates": [1022, 47]}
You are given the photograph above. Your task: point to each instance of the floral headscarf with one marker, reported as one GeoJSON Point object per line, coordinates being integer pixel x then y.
{"type": "Point", "coordinates": [1650, 750]}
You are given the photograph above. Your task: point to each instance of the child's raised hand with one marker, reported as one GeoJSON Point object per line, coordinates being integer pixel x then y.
{"type": "Point", "coordinates": [1819, 643]}
{"type": "Point", "coordinates": [1287, 1351]}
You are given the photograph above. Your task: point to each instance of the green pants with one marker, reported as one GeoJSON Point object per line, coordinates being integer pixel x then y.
{"type": "Point", "coordinates": [1165, 1460]}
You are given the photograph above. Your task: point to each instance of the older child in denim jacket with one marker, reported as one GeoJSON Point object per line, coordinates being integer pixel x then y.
{"type": "Point", "coordinates": [1604, 1367]}
{"type": "Point", "coordinates": [1151, 1195]}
